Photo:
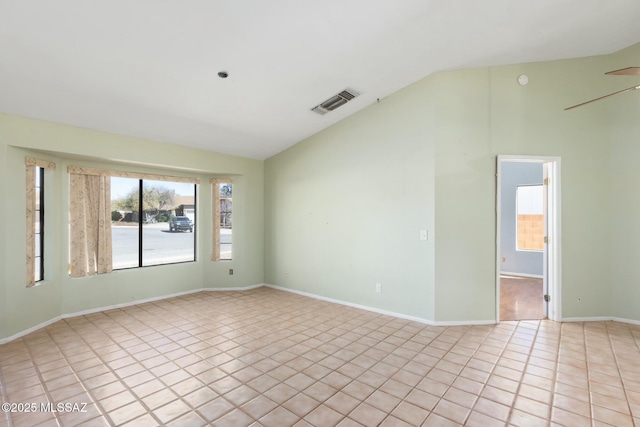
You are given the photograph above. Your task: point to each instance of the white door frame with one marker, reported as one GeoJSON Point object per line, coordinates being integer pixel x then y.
{"type": "Point", "coordinates": [553, 253]}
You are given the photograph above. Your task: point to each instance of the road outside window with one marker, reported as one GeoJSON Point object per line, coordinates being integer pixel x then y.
{"type": "Point", "coordinates": [153, 222]}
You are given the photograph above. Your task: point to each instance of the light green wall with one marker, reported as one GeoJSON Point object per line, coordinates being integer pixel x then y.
{"type": "Point", "coordinates": [625, 191]}
{"type": "Point", "coordinates": [485, 113]}
{"type": "Point", "coordinates": [23, 308]}
{"type": "Point", "coordinates": [428, 153]}
{"type": "Point", "coordinates": [343, 209]}
{"type": "Point", "coordinates": [4, 278]}
{"type": "Point", "coordinates": [465, 187]}
{"type": "Point", "coordinates": [532, 120]}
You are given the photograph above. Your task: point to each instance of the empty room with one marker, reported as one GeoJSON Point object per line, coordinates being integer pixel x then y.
{"type": "Point", "coordinates": [294, 214]}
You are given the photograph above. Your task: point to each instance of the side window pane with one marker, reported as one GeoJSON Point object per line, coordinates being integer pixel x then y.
{"type": "Point", "coordinates": [226, 223]}
{"type": "Point", "coordinates": [125, 195]}
{"type": "Point", "coordinates": [39, 224]}
{"type": "Point", "coordinates": [530, 220]}
{"type": "Point", "coordinates": [169, 221]}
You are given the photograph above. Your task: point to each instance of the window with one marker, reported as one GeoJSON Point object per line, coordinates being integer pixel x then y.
{"type": "Point", "coordinates": [125, 219]}
{"type": "Point", "coordinates": [152, 222]}
{"type": "Point", "coordinates": [222, 197]}
{"type": "Point", "coordinates": [530, 218]}
{"type": "Point", "coordinates": [36, 172]}
{"type": "Point", "coordinates": [38, 229]}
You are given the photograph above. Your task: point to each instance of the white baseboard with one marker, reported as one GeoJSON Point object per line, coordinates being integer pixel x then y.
{"type": "Point", "coordinates": [121, 305]}
{"type": "Point", "coordinates": [465, 322]}
{"type": "Point", "coordinates": [586, 319]}
{"type": "Point", "coordinates": [28, 331]}
{"type": "Point", "coordinates": [623, 320]}
{"type": "Point", "coordinates": [306, 294]}
{"type": "Point", "coordinates": [128, 304]}
{"type": "Point", "coordinates": [245, 288]}
{"type": "Point", "coordinates": [386, 312]}
{"type": "Point", "coordinates": [601, 319]}
{"type": "Point", "coordinates": [349, 304]}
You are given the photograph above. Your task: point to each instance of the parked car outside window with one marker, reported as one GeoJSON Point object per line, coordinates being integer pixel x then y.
{"type": "Point", "coordinates": [181, 223]}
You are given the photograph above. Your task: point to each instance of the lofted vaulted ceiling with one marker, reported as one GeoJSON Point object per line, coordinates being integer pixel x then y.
{"type": "Point", "coordinates": [149, 68]}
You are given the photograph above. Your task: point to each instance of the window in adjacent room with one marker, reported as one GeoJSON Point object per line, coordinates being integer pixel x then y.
{"type": "Point", "coordinates": [530, 218]}
{"type": "Point", "coordinates": [152, 221]}
{"type": "Point", "coordinates": [222, 197]}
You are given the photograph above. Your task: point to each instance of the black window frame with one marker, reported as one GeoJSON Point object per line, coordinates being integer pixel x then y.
{"type": "Point", "coordinates": [38, 258]}
{"type": "Point", "coordinates": [141, 222]}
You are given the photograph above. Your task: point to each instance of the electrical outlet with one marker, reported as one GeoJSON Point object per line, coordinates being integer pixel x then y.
{"type": "Point", "coordinates": [231, 272]}
{"type": "Point", "coordinates": [424, 235]}
{"type": "Point", "coordinates": [378, 287]}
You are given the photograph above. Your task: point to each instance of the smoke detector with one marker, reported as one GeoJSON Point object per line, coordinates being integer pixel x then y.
{"type": "Point", "coordinates": [335, 101]}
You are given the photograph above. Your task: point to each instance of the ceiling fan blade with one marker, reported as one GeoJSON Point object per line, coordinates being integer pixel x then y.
{"type": "Point", "coordinates": [629, 71]}
{"type": "Point", "coordinates": [629, 89]}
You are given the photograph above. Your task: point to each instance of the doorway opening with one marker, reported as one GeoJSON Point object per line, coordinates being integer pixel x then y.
{"type": "Point", "coordinates": [528, 238]}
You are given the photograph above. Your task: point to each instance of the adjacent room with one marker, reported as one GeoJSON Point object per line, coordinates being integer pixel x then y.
{"type": "Point", "coordinates": [282, 213]}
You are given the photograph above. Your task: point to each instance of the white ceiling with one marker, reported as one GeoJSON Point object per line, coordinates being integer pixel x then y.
{"type": "Point", "coordinates": [148, 68]}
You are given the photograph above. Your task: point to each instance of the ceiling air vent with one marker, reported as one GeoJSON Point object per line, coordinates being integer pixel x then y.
{"type": "Point", "coordinates": [335, 101]}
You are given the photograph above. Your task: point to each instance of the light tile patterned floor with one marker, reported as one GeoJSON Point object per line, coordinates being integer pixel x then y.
{"type": "Point", "coordinates": [271, 358]}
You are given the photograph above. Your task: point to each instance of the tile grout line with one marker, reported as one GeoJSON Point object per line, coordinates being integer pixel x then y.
{"type": "Point", "coordinates": [39, 374]}
{"type": "Point", "coordinates": [5, 398]}
{"type": "Point", "coordinates": [477, 397]}
{"type": "Point", "coordinates": [264, 357]}
{"type": "Point", "coordinates": [552, 392]}
{"type": "Point", "coordinates": [637, 344]}
{"type": "Point", "coordinates": [555, 374]}
{"type": "Point", "coordinates": [586, 360]}
{"type": "Point", "coordinates": [220, 331]}
{"type": "Point", "coordinates": [180, 367]}
{"type": "Point", "coordinates": [526, 365]}
{"type": "Point", "coordinates": [495, 365]}
{"type": "Point", "coordinates": [424, 376]}
{"type": "Point", "coordinates": [457, 376]}
{"type": "Point", "coordinates": [113, 371]}
{"type": "Point", "coordinates": [96, 401]}
{"type": "Point", "coordinates": [615, 356]}
{"type": "Point", "coordinates": [100, 410]}
{"type": "Point", "coordinates": [354, 379]}
{"type": "Point", "coordinates": [362, 400]}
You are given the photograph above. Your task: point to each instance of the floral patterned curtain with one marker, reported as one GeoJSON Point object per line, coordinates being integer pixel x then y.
{"type": "Point", "coordinates": [123, 174]}
{"type": "Point", "coordinates": [90, 218]}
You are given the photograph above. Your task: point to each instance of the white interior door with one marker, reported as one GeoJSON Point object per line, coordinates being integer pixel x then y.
{"type": "Point", "coordinates": [546, 204]}
{"type": "Point", "coordinates": [552, 245]}
{"type": "Point", "coordinates": [552, 259]}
